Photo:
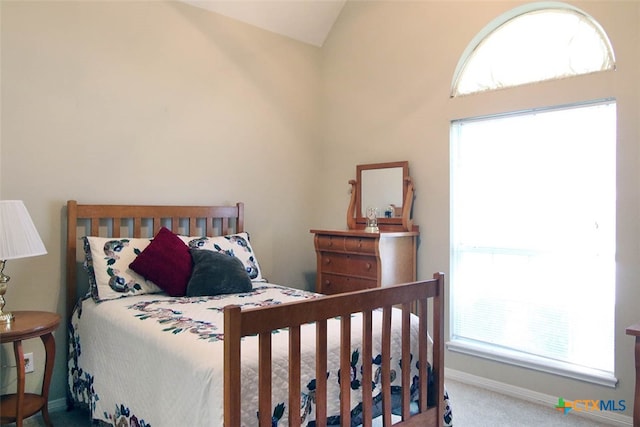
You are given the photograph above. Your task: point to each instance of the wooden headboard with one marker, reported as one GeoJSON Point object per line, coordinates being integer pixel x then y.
{"type": "Point", "coordinates": [136, 221]}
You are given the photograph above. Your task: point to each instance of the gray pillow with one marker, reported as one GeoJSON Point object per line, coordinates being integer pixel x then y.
{"type": "Point", "coordinates": [215, 273]}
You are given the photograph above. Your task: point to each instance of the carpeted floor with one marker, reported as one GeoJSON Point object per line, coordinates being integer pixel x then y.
{"type": "Point", "coordinates": [476, 407]}
{"type": "Point", "coordinates": [472, 407]}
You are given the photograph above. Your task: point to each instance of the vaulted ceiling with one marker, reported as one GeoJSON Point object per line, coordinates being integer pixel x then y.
{"type": "Point", "coordinates": [308, 21]}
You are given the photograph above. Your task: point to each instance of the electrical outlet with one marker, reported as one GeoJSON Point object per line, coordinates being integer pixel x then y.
{"type": "Point", "coordinates": [28, 363]}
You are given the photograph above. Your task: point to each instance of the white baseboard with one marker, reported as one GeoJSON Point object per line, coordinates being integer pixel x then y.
{"type": "Point", "coordinates": [610, 418]}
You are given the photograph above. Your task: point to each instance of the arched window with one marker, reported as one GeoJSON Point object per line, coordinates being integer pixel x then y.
{"type": "Point", "coordinates": [513, 50]}
{"type": "Point", "coordinates": [533, 204]}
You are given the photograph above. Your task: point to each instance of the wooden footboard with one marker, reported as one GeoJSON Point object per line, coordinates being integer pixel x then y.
{"type": "Point", "coordinates": [262, 321]}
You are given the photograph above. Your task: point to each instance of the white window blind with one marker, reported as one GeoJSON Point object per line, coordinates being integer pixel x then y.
{"type": "Point", "coordinates": [533, 239]}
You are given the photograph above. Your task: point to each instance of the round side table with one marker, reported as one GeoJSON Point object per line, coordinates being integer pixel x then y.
{"type": "Point", "coordinates": [28, 324]}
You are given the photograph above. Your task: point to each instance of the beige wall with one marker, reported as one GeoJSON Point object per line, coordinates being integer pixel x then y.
{"type": "Point", "coordinates": [153, 102]}
{"type": "Point", "coordinates": [387, 74]}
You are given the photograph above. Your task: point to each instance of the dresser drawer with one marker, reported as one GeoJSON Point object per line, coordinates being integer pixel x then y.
{"type": "Point", "coordinates": [330, 243]}
{"type": "Point", "coordinates": [360, 245]}
{"type": "Point", "coordinates": [335, 284]}
{"type": "Point", "coordinates": [351, 265]}
{"type": "Point", "coordinates": [346, 244]}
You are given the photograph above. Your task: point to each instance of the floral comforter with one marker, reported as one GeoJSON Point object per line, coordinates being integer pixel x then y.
{"type": "Point", "coordinates": [155, 360]}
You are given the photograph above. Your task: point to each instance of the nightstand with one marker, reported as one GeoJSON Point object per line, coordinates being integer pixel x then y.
{"type": "Point", "coordinates": [634, 331]}
{"type": "Point", "coordinates": [353, 260]}
{"type": "Point", "coordinates": [28, 324]}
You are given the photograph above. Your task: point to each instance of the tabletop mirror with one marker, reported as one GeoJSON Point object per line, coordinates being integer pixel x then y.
{"type": "Point", "coordinates": [383, 190]}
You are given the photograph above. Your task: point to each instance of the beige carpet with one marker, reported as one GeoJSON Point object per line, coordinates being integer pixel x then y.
{"type": "Point", "coordinates": [475, 407]}
{"type": "Point", "coordinates": [472, 407]}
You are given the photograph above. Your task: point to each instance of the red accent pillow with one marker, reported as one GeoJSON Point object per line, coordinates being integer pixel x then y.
{"type": "Point", "coordinates": [166, 262]}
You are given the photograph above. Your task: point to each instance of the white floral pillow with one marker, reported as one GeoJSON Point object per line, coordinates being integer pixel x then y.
{"type": "Point", "coordinates": [232, 244]}
{"type": "Point", "coordinates": [107, 261]}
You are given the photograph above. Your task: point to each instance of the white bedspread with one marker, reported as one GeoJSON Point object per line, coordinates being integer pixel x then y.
{"type": "Point", "coordinates": [154, 360]}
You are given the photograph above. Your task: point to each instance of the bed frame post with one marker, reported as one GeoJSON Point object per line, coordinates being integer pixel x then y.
{"type": "Point", "coordinates": [72, 215]}
{"type": "Point", "coordinates": [438, 348]}
{"type": "Point", "coordinates": [232, 334]}
{"type": "Point", "coordinates": [240, 217]}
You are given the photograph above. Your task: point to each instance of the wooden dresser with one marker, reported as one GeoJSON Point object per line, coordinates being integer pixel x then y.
{"type": "Point", "coordinates": [352, 260]}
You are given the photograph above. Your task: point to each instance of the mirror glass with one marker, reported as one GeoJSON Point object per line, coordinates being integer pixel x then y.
{"type": "Point", "coordinates": [382, 190]}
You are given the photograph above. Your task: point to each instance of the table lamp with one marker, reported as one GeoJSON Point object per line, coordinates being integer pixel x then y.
{"type": "Point", "coordinates": [18, 239]}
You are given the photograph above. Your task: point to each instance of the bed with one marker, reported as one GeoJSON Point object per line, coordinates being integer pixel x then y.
{"type": "Point", "coordinates": [141, 354]}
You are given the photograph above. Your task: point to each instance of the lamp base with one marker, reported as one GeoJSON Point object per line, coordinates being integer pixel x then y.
{"type": "Point", "coordinates": [6, 317]}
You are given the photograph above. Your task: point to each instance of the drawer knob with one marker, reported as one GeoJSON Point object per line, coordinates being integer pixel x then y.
{"type": "Point", "coordinates": [327, 282]}
{"type": "Point", "coordinates": [327, 261]}
{"type": "Point", "coordinates": [368, 266]}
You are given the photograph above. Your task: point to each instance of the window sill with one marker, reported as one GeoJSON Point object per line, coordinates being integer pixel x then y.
{"type": "Point", "coordinates": [529, 361]}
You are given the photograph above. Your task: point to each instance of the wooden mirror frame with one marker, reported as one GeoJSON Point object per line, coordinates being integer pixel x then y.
{"type": "Point", "coordinates": [355, 217]}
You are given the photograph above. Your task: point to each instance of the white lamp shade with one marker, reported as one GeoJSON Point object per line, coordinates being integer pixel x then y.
{"type": "Point", "coordinates": [18, 236]}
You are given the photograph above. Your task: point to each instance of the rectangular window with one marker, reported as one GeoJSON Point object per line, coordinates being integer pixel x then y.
{"type": "Point", "coordinates": [533, 202]}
